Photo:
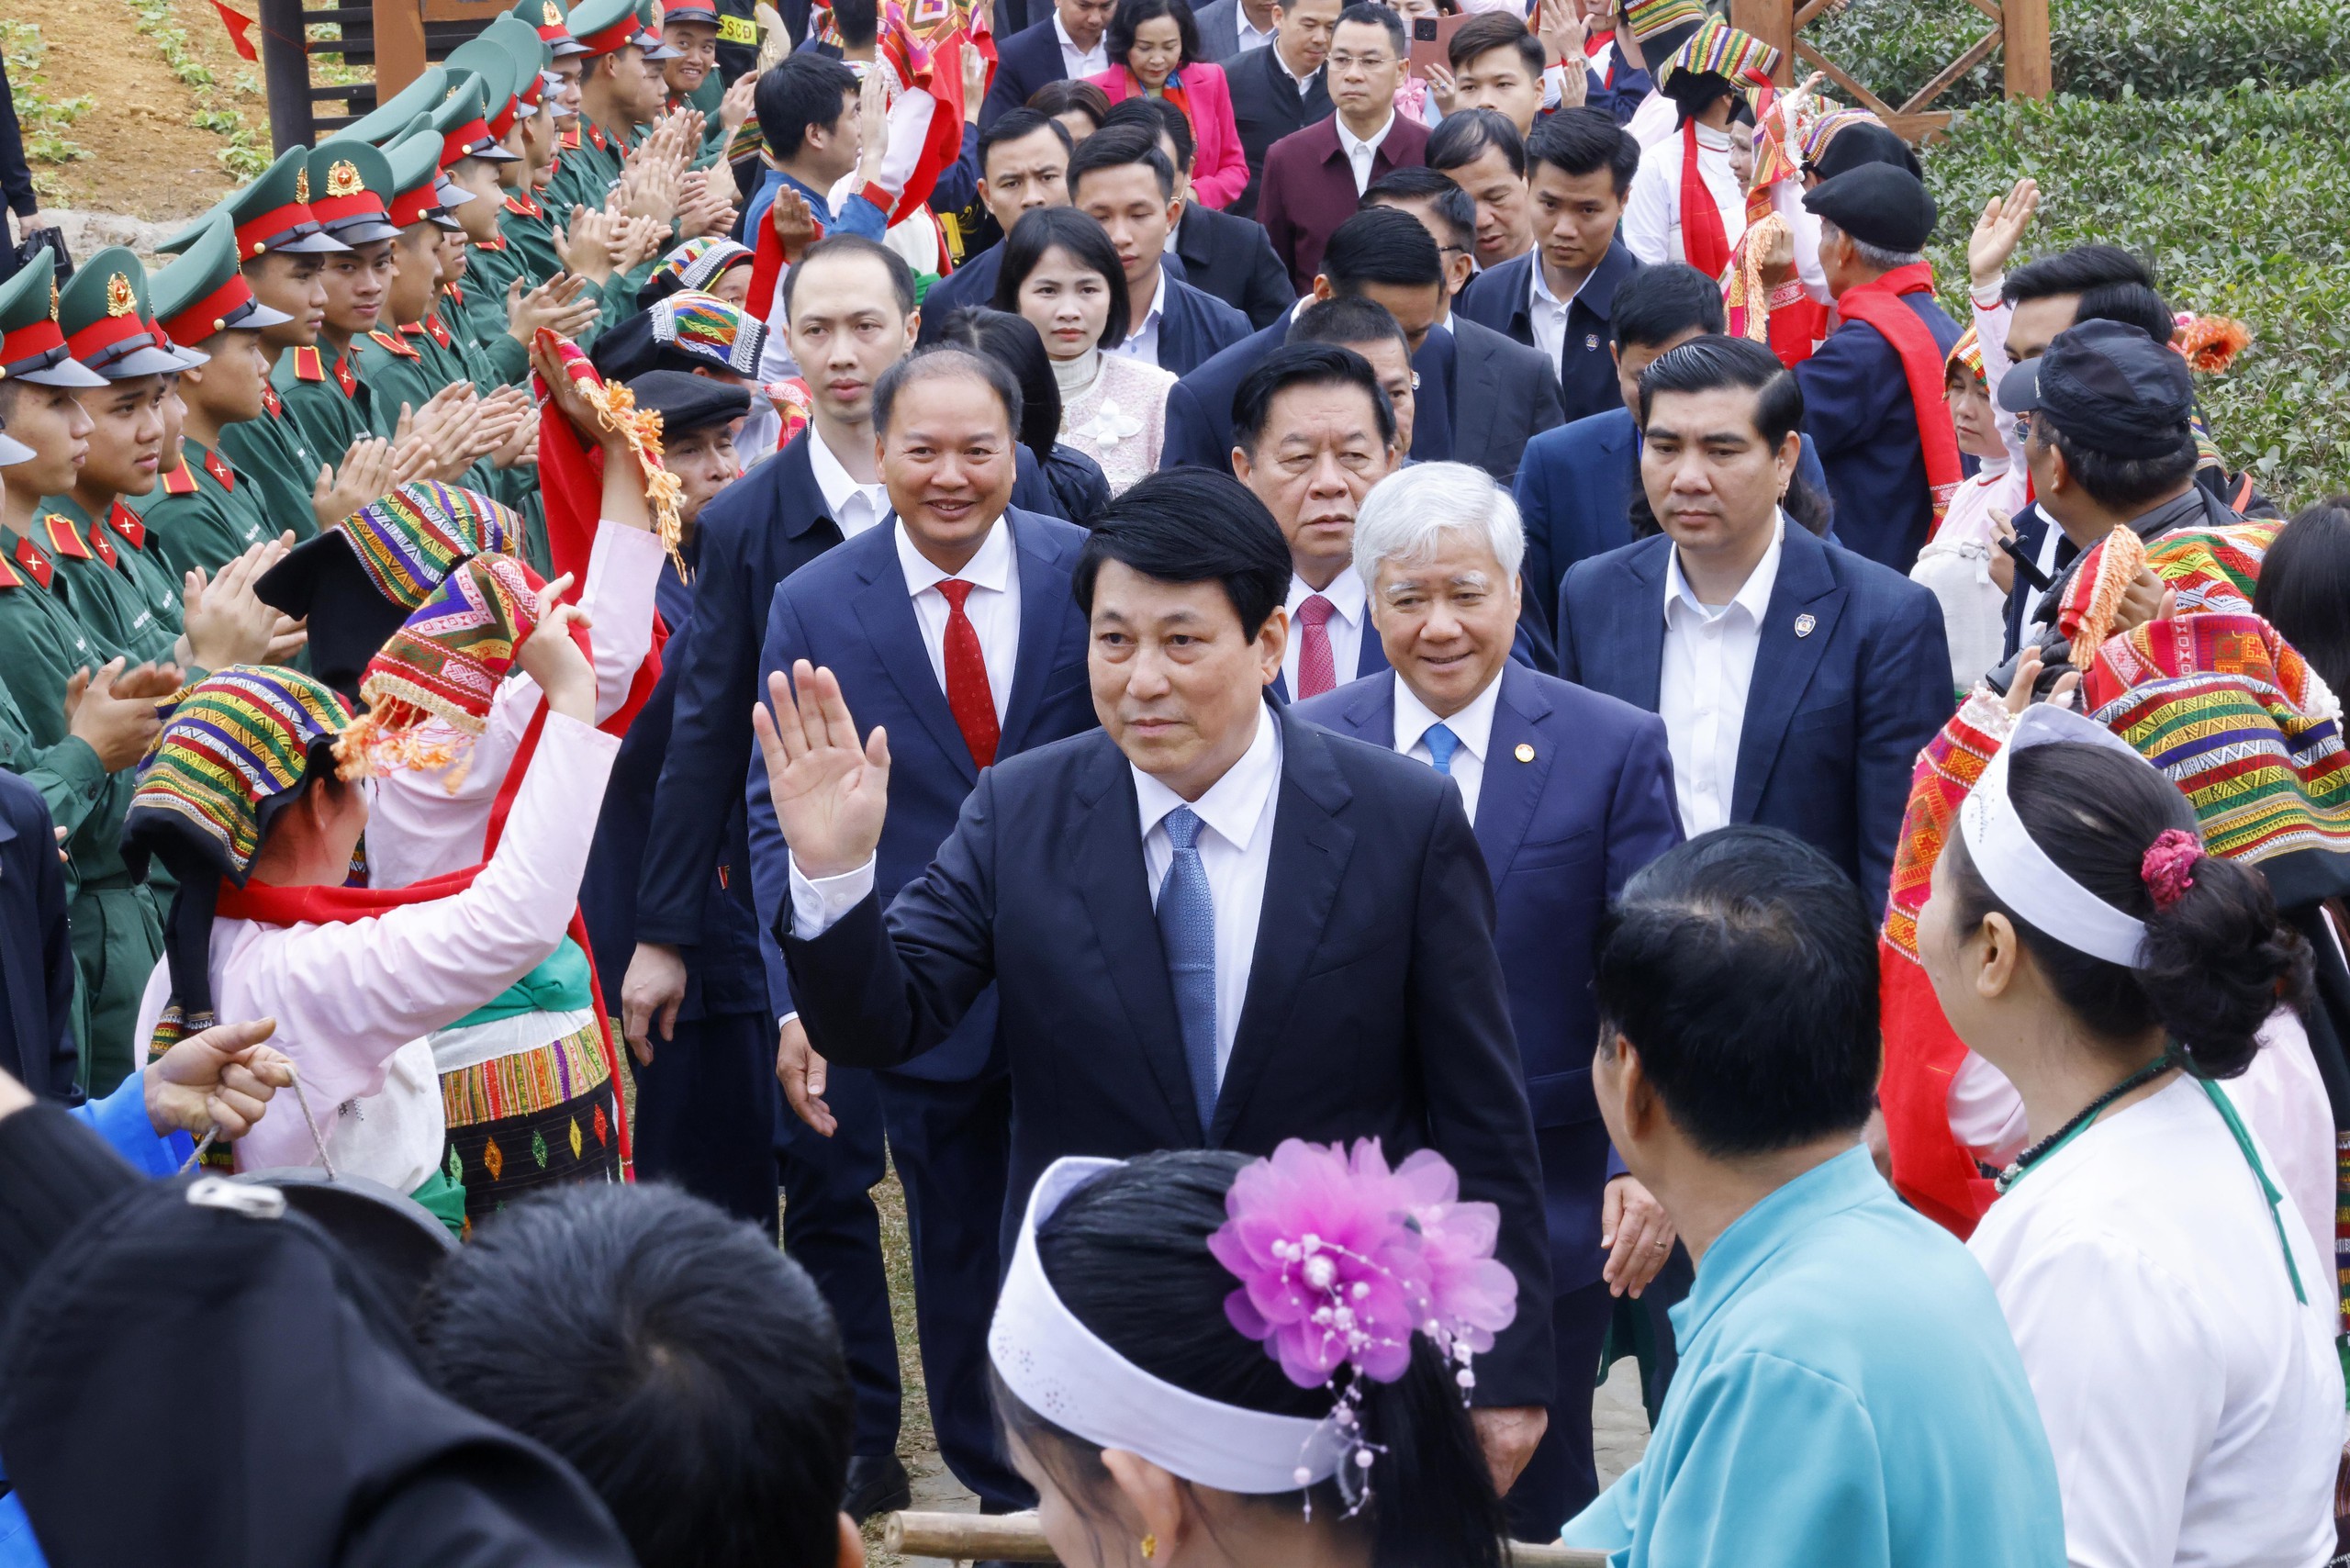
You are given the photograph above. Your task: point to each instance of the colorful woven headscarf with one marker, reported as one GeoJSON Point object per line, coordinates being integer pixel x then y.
{"type": "Point", "coordinates": [1822, 131]}
{"type": "Point", "coordinates": [696, 263]}
{"type": "Point", "coordinates": [407, 541]}
{"type": "Point", "coordinates": [1968, 352]}
{"type": "Point", "coordinates": [445, 661]}
{"type": "Point", "coordinates": [1648, 18]}
{"type": "Point", "coordinates": [710, 329]}
{"type": "Point", "coordinates": [1719, 50]}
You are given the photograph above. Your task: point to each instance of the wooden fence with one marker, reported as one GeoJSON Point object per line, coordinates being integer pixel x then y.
{"type": "Point", "coordinates": [2018, 30]}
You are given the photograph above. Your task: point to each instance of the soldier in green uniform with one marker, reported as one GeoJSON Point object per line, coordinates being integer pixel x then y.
{"type": "Point", "coordinates": [46, 657]}
{"type": "Point", "coordinates": [350, 192]}
{"type": "Point", "coordinates": [620, 91]}
{"type": "Point", "coordinates": [209, 513]}
{"type": "Point", "coordinates": [390, 365]}
{"type": "Point", "coordinates": [474, 324]}
{"type": "Point", "coordinates": [282, 248]}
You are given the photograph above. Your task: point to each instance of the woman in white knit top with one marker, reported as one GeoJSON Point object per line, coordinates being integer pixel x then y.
{"type": "Point", "coordinates": [1061, 273]}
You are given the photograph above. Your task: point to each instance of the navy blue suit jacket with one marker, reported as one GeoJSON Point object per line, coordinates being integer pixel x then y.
{"type": "Point", "coordinates": [36, 950]}
{"type": "Point", "coordinates": [1856, 406]}
{"type": "Point", "coordinates": [1851, 681]}
{"type": "Point", "coordinates": [1194, 326]}
{"type": "Point", "coordinates": [851, 613]}
{"type": "Point", "coordinates": [1574, 496]}
{"type": "Point", "coordinates": [1498, 296]}
{"type": "Point", "coordinates": [1025, 62]}
{"type": "Point", "coordinates": [1375, 1007]}
{"type": "Point", "coordinates": [761, 529]}
{"type": "Point", "coordinates": [1562, 831]}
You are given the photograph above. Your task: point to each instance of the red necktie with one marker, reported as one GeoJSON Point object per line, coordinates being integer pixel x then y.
{"type": "Point", "coordinates": [967, 677]}
{"type": "Point", "coordinates": [1317, 669]}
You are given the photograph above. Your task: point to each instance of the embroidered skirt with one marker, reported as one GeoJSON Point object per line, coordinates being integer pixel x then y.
{"type": "Point", "coordinates": [533, 1117]}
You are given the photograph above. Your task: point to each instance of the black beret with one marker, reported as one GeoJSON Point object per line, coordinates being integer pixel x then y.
{"type": "Point", "coordinates": [1876, 204]}
{"type": "Point", "coordinates": [689, 402]}
{"type": "Point", "coordinates": [1856, 145]}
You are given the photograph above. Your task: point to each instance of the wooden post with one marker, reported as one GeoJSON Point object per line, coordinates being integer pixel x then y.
{"type": "Point", "coordinates": [400, 45]}
{"type": "Point", "coordinates": [2028, 69]}
{"type": "Point", "coordinates": [1773, 21]}
{"type": "Point", "coordinates": [285, 71]}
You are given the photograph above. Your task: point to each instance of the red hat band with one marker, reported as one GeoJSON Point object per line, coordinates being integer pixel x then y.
{"type": "Point", "coordinates": [257, 234]}
{"type": "Point", "coordinates": [37, 340]}
{"type": "Point", "coordinates": [411, 206]}
{"type": "Point", "coordinates": [210, 314]}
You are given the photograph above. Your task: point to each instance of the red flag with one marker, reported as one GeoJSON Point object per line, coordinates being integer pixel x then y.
{"type": "Point", "coordinates": [239, 26]}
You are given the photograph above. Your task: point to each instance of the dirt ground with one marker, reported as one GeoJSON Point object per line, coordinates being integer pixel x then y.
{"type": "Point", "coordinates": [149, 159]}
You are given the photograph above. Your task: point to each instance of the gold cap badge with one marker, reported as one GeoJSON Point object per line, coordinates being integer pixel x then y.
{"type": "Point", "coordinates": [343, 179]}
{"type": "Point", "coordinates": [120, 301]}
{"type": "Point", "coordinates": [553, 17]}
{"type": "Point", "coordinates": [302, 184]}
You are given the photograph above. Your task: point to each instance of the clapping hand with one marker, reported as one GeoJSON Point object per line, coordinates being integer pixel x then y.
{"type": "Point", "coordinates": [830, 793]}
{"type": "Point", "coordinates": [367, 472]}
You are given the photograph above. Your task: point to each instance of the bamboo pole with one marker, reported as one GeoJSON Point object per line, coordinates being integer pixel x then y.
{"type": "Point", "coordinates": [1015, 1537]}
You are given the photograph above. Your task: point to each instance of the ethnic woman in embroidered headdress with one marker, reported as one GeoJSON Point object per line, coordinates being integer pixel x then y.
{"type": "Point", "coordinates": [2174, 1315]}
{"type": "Point", "coordinates": [1201, 1358]}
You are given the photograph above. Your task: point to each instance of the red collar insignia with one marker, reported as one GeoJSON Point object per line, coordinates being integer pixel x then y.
{"type": "Point", "coordinates": [270, 400]}
{"type": "Point", "coordinates": [220, 471]}
{"type": "Point", "coordinates": [342, 377]}
{"type": "Point", "coordinates": [520, 206]}
{"type": "Point", "coordinates": [28, 555]}
{"type": "Point", "coordinates": [125, 521]}
{"type": "Point", "coordinates": [394, 345]}
{"type": "Point", "coordinates": [309, 366]}
{"type": "Point", "coordinates": [180, 481]}
{"type": "Point", "coordinates": [64, 539]}
{"type": "Point", "coordinates": [102, 547]}
{"type": "Point", "coordinates": [434, 325]}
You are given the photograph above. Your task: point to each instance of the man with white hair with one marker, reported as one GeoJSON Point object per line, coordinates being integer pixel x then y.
{"type": "Point", "coordinates": [1570, 794]}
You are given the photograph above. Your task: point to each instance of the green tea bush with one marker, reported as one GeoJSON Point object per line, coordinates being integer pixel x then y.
{"type": "Point", "coordinates": [2099, 48]}
{"type": "Point", "coordinates": [2240, 200]}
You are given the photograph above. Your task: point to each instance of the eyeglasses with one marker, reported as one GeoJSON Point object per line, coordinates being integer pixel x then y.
{"type": "Point", "coordinates": [1343, 62]}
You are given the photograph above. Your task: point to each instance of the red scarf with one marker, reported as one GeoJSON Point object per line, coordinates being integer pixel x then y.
{"type": "Point", "coordinates": [1703, 241]}
{"type": "Point", "coordinates": [1878, 303]}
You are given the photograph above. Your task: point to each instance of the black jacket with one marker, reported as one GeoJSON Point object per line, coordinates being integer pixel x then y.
{"type": "Point", "coordinates": [1233, 259]}
{"type": "Point", "coordinates": [1266, 107]}
{"type": "Point", "coordinates": [36, 950]}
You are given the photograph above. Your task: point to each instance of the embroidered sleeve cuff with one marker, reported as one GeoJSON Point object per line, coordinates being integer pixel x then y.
{"type": "Point", "coordinates": [1786, 294]}
{"type": "Point", "coordinates": [818, 903]}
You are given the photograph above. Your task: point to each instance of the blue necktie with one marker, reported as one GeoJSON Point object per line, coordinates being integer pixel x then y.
{"type": "Point", "coordinates": [1186, 928]}
{"type": "Point", "coordinates": [1442, 744]}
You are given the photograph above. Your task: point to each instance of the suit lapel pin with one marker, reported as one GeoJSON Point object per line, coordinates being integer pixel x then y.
{"type": "Point", "coordinates": [1803, 624]}
{"type": "Point", "coordinates": [1526, 751]}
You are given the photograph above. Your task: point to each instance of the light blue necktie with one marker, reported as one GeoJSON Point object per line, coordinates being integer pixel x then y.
{"type": "Point", "coordinates": [1186, 928]}
{"type": "Point", "coordinates": [1442, 744]}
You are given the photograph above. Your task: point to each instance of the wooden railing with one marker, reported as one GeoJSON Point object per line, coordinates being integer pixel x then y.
{"type": "Point", "coordinates": [391, 39]}
{"type": "Point", "coordinates": [2019, 29]}
{"type": "Point", "coordinates": [1017, 1538]}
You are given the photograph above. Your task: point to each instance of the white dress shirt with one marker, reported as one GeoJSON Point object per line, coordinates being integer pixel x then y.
{"type": "Point", "coordinates": [1079, 63]}
{"type": "Point", "coordinates": [1235, 851]}
{"type": "Point", "coordinates": [994, 605]}
{"type": "Point", "coordinates": [1249, 35]}
{"type": "Point", "coordinates": [1304, 83]}
{"type": "Point", "coordinates": [1352, 609]}
{"type": "Point", "coordinates": [1547, 313]}
{"type": "Point", "coordinates": [1360, 150]}
{"type": "Point", "coordinates": [855, 507]}
{"type": "Point", "coordinates": [354, 1001]}
{"type": "Point", "coordinates": [1701, 691]}
{"type": "Point", "coordinates": [1142, 343]}
{"type": "Point", "coordinates": [1472, 726]}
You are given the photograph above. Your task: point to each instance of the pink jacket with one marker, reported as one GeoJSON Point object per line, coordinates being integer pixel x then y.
{"type": "Point", "coordinates": [1219, 172]}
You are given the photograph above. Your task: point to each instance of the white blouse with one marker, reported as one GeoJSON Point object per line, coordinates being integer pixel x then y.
{"type": "Point", "coordinates": [2194, 1406]}
{"type": "Point", "coordinates": [1119, 418]}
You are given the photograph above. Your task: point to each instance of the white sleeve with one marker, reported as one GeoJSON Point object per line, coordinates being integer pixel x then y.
{"type": "Point", "coordinates": [1992, 313]}
{"type": "Point", "coordinates": [909, 131]}
{"type": "Point", "coordinates": [1786, 200]}
{"type": "Point", "coordinates": [623, 571]}
{"type": "Point", "coordinates": [818, 903]}
{"type": "Point", "coordinates": [1987, 1112]}
{"type": "Point", "coordinates": [347, 996]}
{"type": "Point", "coordinates": [1648, 214]}
{"type": "Point", "coordinates": [2126, 1440]}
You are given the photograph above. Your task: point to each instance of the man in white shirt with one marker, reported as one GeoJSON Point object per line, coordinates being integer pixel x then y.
{"type": "Point", "coordinates": [1313, 432]}
{"type": "Point", "coordinates": [1209, 925]}
{"type": "Point", "coordinates": [953, 629]}
{"type": "Point", "coordinates": [1080, 25]}
{"type": "Point", "coordinates": [1541, 766]}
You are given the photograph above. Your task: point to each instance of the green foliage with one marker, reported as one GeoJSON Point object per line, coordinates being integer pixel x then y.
{"type": "Point", "coordinates": [2099, 48]}
{"type": "Point", "coordinates": [43, 119]}
{"type": "Point", "coordinates": [2241, 203]}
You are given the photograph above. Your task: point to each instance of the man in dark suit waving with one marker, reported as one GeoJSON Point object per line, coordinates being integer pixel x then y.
{"type": "Point", "coordinates": [1208, 924]}
{"type": "Point", "coordinates": [1570, 793]}
{"type": "Point", "coordinates": [1797, 680]}
{"type": "Point", "coordinates": [952, 625]}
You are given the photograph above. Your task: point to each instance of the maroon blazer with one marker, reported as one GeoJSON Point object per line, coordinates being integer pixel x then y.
{"type": "Point", "coordinates": [1309, 189]}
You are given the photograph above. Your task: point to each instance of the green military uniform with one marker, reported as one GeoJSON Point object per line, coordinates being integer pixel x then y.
{"type": "Point", "coordinates": [350, 189]}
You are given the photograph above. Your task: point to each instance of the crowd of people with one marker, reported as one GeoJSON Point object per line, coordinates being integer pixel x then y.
{"type": "Point", "coordinates": [1499, 745]}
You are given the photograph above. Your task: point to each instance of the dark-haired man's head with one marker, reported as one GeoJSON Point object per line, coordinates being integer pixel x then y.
{"type": "Point", "coordinates": [806, 113]}
{"type": "Point", "coordinates": [1719, 446]}
{"type": "Point", "coordinates": [690, 1372]}
{"type": "Point", "coordinates": [1024, 164]}
{"type": "Point", "coordinates": [1167, 122]}
{"type": "Point", "coordinates": [859, 22]}
{"type": "Point", "coordinates": [1738, 1040]}
{"type": "Point", "coordinates": [2110, 438]}
{"type": "Point", "coordinates": [1497, 64]}
{"type": "Point", "coordinates": [2133, 304]}
{"type": "Point", "coordinates": [1442, 207]}
{"type": "Point", "coordinates": [1351, 322]}
{"type": "Point", "coordinates": [1657, 308]}
{"type": "Point", "coordinates": [2047, 293]}
{"type": "Point", "coordinates": [1182, 581]}
{"type": "Point", "coordinates": [1121, 179]}
{"type": "Point", "coordinates": [849, 315]}
{"type": "Point", "coordinates": [1389, 256]}
{"type": "Point", "coordinates": [1313, 432]}
{"type": "Point", "coordinates": [1080, 107]}
{"type": "Point", "coordinates": [1084, 20]}
{"type": "Point", "coordinates": [1483, 153]}
{"type": "Point", "coordinates": [1580, 165]}
{"type": "Point", "coordinates": [1303, 35]}
{"type": "Point", "coordinates": [947, 422]}
{"type": "Point", "coordinates": [1366, 65]}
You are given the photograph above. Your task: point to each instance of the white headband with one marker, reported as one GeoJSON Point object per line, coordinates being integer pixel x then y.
{"type": "Point", "coordinates": [2019, 872]}
{"type": "Point", "coordinates": [1062, 1369]}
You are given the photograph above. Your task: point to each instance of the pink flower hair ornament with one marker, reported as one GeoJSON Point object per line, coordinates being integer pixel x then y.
{"type": "Point", "coordinates": [1341, 1259]}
